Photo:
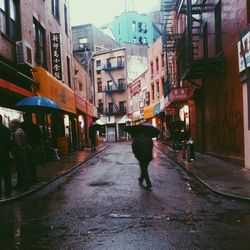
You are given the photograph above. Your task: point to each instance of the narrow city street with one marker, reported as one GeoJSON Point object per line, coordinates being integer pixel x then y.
{"type": "Point", "coordinates": [101, 206]}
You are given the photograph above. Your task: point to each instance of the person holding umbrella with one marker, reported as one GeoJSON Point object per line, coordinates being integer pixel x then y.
{"type": "Point", "coordinates": [142, 147]}
{"type": "Point", "coordinates": [92, 134]}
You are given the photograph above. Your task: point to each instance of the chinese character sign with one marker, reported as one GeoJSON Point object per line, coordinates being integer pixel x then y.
{"type": "Point", "coordinates": [55, 41]}
{"type": "Point", "coordinates": [244, 51]}
{"type": "Point", "coordinates": [179, 94]}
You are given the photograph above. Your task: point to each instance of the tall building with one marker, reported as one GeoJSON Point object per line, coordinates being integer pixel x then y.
{"type": "Point", "coordinates": [36, 59]}
{"type": "Point", "coordinates": [202, 37]}
{"type": "Point", "coordinates": [132, 27]}
{"type": "Point", "coordinates": [111, 92]}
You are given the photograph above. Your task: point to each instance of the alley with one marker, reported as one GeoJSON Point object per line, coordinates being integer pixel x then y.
{"type": "Point", "coordinates": [101, 206]}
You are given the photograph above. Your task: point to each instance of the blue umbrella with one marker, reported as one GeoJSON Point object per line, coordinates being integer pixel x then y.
{"type": "Point", "coordinates": [37, 103]}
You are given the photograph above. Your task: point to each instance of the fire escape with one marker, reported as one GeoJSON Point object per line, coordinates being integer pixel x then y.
{"type": "Point", "coordinates": [117, 86]}
{"type": "Point", "coordinates": [193, 59]}
{"type": "Point", "coordinates": [170, 42]}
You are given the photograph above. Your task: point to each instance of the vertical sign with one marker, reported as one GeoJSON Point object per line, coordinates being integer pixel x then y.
{"type": "Point", "coordinates": [56, 55]}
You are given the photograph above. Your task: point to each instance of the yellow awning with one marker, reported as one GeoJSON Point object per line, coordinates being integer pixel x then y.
{"type": "Point", "coordinates": [54, 89]}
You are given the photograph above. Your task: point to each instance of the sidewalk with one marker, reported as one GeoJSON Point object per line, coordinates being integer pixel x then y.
{"type": "Point", "coordinates": [53, 170]}
{"type": "Point", "coordinates": [219, 176]}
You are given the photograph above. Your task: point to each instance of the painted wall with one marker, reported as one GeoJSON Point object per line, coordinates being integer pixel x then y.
{"type": "Point", "coordinates": [123, 32]}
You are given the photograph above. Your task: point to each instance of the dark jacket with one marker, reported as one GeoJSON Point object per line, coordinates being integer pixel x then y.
{"type": "Point", "coordinates": [5, 143]}
{"type": "Point", "coordinates": [142, 147]}
{"type": "Point", "coordinates": [33, 133]}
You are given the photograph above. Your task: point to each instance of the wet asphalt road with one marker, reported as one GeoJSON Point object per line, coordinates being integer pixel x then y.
{"type": "Point", "coordinates": [101, 206]}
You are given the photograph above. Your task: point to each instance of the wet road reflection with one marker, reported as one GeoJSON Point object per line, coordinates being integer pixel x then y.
{"type": "Point", "coordinates": [101, 206]}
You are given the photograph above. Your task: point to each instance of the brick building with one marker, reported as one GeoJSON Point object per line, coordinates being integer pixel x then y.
{"type": "Point", "coordinates": [202, 36]}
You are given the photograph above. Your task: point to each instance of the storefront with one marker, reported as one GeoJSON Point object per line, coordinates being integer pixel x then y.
{"type": "Point", "coordinates": [60, 128]}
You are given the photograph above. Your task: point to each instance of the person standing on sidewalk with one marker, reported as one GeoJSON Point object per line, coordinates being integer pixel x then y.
{"type": "Point", "coordinates": [5, 148]}
{"type": "Point", "coordinates": [92, 136]}
{"type": "Point", "coordinates": [33, 136]}
{"type": "Point", "coordinates": [142, 146]}
{"type": "Point", "coordinates": [20, 154]}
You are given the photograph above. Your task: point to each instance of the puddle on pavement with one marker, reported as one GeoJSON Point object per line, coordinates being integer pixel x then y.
{"type": "Point", "coordinates": [100, 184]}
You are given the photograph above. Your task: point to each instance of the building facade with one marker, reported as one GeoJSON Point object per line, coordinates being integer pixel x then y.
{"type": "Point", "coordinates": [111, 92]}
{"type": "Point", "coordinates": [132, 27]}
{"type": "Point", "coordinates": [36, 59]}
{"type": "Point", "coordinates": [203, 37]}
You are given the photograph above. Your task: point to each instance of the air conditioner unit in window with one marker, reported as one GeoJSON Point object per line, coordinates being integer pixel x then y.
{"type": "Point", "coordinates": [24, 53]}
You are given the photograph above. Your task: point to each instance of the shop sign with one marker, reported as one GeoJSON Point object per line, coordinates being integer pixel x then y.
{"type": "Point", "coordinates": [148, 112]}
{"type": "Point", "coordinates": [157, 108]}
{"type": "Point", "coordinates": [244, 51]}
{"type": "Point", "coordinates": [178, 94]}
{"type": "Point", "coordinates": [135, 88]}
{"type": "Point", "coordinates": [56, 55]}
{"type": "Point", "coordinates": [162, 103]}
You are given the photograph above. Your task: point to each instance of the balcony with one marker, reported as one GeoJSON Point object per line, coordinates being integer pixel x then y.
{"type": "Point", "coordinates": [199, 68]}
{"type": "Point", "coordinates": [109, 112]}
{"type": "Point", "coordinates": [115, 89]}
{"type": "Point", "coordinates": [110, 67]}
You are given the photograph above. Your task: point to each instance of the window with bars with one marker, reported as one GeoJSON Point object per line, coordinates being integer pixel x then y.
{"type": "Point", "coordinates": [39, 39]}
{"type": "Point", "coordinates": [9, 19]}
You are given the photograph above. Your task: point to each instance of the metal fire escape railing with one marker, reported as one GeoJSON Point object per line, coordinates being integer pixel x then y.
{"type": "Point", "coordinates": [170, 40]}
{"type": "Point", "coordinates": [118, 87]}
{"type": "Point", "coordinates": [193, 63]}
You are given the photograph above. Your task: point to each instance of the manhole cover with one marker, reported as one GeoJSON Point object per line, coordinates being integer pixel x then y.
{"type": "Point", "coordinates": [100, 183]}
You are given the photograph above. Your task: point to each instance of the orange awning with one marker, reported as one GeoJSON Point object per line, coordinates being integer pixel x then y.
{"type": "Point", "coordinates": [54, 89]}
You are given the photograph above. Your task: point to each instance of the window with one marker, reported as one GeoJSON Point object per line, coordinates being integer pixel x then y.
{"type": "Point", "coordinates": [122, 106]}
{"type": "Point", "coordinates": [69, 71]}
{"type": "Point", "coordinates": [100, 106]}
{"type": "Point", "coordinates": [145, 40]}
{"type": "Point", "coordinates": [99, 87]}
{"type": "Point", "coordinates": [98, 63]}
{"type": "Point", "coordinates": [218, 28]}
{"type": "Point", "coordinates": [55, 9]}
{"type": "Point", "coordinates": [140, 40]}
{"type": "Point", "coordinates": [162, 60]}
{"type": "Point", "coordinates": [121, 83]}
{"type": "Point", "coordinates": [66, 20]}
{"type": "Point", "coordinates": [108, 63]}
{"type": "Point", "coordinates": [82, 41]}
{"type": "Point", "coordinates": [80, 87]}
{"type": "Point", "coordinates": [133, 26]}
{"type": "Point", "coordinates": [153, 91]}
{"type": "Point", "coordinates": [152, 68]}
{"type": "Point", "coordinates": [111, 107]}
{"type": "Point", "coordinates": [157, 89]}
{"type": "Point", "coordinates": [40, 49]}
{"type": "Point", "coordinates": [109, 84]}
{"type": "Point", "coordinates": [157, 64]}
{"type": "Point", "coordinates": [139, 26]}
{"type": "Point", "coordinates": [134, 39]}
{"type": "Point", "coordinates": [9, 19]}
{"type": "Point", "coordinates": [119, 61]}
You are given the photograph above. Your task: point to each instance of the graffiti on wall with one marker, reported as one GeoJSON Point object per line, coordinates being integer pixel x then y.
{"type": "Point", "coordinates": [227, 125]}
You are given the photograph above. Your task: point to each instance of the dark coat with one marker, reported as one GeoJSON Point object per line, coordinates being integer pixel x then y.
{"type": "Point", "coordinates": [5, 143]}
{"type": "Point", "coordinates": [142, 147]}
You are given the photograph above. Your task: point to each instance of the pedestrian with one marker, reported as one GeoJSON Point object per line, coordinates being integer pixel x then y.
{"type": "Point", "coordinates": [20, 154]}
{"type": "Point", "coordinates": [92, 136]}
{"type": "Point", "coordinates": [33, 137]}
{"type": "Point", "coordinates": [142, 146]}
{"type": "Point", "coordinates": [5, 148]}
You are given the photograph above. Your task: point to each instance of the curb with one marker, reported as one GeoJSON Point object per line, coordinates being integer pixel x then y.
{"type": "Point", "coordinates": [242, 198]}
{"type": "Point", "coordinates": [41, 186]}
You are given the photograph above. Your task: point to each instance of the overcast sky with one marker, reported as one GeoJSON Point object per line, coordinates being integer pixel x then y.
{"type": "Point", "coordinates": [99, 12]}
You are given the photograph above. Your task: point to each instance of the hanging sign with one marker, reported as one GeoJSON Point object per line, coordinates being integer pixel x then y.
{"type": "Point", "coordinates": [55, 41]}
